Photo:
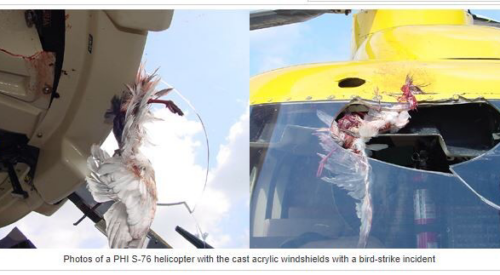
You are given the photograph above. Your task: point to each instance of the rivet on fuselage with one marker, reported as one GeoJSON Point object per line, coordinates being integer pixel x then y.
{"type": "Point", "coordinates": [46, 90]}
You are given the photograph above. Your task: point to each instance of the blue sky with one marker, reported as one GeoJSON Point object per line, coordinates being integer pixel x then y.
{"type": "Point", "coordinates": [204, 55]}
{"type": "Point", "coordinates": [322, 39]}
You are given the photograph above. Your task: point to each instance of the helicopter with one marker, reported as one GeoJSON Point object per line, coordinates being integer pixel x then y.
{"type": "Point", "coordinates": [434, 182]}
{"type": "Point", "coordinates": [58, 72]}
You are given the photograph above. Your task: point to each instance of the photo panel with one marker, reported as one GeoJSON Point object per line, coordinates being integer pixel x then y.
{"type": "Point", "coordinates": [124, 128]}
{"type": "Point", "coordinates": [374, 128]}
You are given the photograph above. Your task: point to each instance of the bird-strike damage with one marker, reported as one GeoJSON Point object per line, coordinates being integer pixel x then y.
{"type": "Point", "coordinates": [345, 141]}
{"type": "Point", "coordinates": [349, 141]}
{"type": "Point", "coordinates": [40, 67]}
{"type": "Point", "coordinates": [128, 178]}
{"type": "Point", "coordinates": [398, 176]}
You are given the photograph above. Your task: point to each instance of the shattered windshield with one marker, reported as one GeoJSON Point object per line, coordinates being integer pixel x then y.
{"type": "Point", "coordinates": [427, 184]}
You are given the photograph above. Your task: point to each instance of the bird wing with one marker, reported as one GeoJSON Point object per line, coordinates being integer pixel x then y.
{"type": "Point", "coordinates": [129, 218]}
{"type": "Point", "coordinates": [349, 171]}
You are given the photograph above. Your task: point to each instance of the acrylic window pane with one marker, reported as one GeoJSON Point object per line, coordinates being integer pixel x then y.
{"type": "Point", "coordinates": [292, 208]}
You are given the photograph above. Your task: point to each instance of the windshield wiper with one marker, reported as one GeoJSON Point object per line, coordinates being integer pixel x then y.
{"type": "Point", "coordinates": [197, 242]}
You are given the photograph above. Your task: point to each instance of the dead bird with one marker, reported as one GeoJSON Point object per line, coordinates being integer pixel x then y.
{"type": "Point", "coordinates": [346, 140]}
{"type": "Point", "coordinates": [128, 178]}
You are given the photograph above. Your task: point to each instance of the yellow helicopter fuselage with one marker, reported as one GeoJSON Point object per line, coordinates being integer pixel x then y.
{"type": "Point", "coordinates": [442, 50]}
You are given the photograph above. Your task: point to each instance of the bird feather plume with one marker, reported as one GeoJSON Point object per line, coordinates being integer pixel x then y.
{"type": "Point", "coordinates": [127, 178]}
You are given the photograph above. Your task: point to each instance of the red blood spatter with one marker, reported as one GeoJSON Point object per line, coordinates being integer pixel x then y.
{"type": "Point", "coordinates": [385, 128]}
{"type": "Point", "coordinates": [408, 95]}
{"type": "Point", "coordinates": [42, 64]}
{"type": "Point", "coordinates": [348, 141]}
{"type": "Point", "coordinates": [136, 170]}
{"type": "Point", "coordinates": [31, 57]}
{"type": "Point", "coordinates": [349, 121]}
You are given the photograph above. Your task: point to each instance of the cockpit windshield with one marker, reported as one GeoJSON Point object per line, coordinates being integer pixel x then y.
{"type": "Point", "coordinates": [414, 205]}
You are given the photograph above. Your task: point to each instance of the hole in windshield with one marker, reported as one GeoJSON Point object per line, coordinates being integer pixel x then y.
{"type": "Point", "coordinates": [412, 208]}
{"type": "Point", "coordinates": [437, 136]}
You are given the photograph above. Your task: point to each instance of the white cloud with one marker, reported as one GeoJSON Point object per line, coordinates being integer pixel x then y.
{"type": "Point", "coordinates": [58, 231]}
{"type": "Point", "coordinates": [178, 144]}
{"type": "Point", "coordinates": [172, 149]}
{"type": "Point", "coordinates": [222, 211]}
{"type": "Point", "coordinates": [222, 200]}
{"type": "Point", "coordinates": [231, 176]}
{"type": "Point", "coordinates": [231, 172]}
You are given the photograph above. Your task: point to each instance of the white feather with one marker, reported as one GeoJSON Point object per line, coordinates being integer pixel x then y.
{"type": "Point", "coordinates": [130, 217]}
{"type": "Point", "coordinates": [127, 178]}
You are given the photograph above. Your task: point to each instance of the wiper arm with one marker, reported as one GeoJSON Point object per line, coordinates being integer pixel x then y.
{"type": "Point", "coordinates": [197, 242]}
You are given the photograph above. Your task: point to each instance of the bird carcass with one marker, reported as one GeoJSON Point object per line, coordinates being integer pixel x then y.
{"type": "Point", "coordinates": [128, 178]}
{"type": "Point", "coordinates": [345, 143]}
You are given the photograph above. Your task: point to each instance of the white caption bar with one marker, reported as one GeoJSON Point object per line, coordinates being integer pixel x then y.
{"type": "Point", "coordinates": [252, 259]}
